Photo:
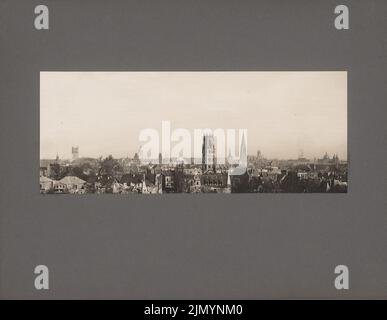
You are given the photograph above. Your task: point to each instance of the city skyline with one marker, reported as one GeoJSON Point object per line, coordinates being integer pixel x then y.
{"type": "Point", "coordinates": [262, 154]}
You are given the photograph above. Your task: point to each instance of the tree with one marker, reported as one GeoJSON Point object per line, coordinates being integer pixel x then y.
{"type": "Point", "coordinates": [109, 167]}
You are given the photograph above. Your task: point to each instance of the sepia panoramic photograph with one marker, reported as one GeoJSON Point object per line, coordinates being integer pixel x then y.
{"type": "Point", "coordinates": [193, 132]}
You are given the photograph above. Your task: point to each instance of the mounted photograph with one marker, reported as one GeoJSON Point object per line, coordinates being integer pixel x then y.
{"type": "Point", "coordinates": [193, 132]}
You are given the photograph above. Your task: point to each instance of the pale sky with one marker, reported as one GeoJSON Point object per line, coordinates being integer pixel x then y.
{"type": "Point", "coordinates": [103, 112]}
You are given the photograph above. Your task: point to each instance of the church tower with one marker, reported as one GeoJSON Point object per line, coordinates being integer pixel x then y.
{"type": "Point", "coordinates": [243, 153]}
{"type": "Point", "coordinates": [75, 152]}
{"type": "Point", "coordinates": [208, 152]}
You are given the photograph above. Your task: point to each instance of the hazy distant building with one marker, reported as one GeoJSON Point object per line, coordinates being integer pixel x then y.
{"type": "Point", "coordinates": [75, 152]}
{"type": "Point", "coordinates": [208, 152]}
{"type": "Point", "coordinates": [243, 153]}
{"type": "Point", "coordinates": [160, 159]}
{"type": "Point", "coordinates": [327, 160]}
{"type": "Point", "coordinates": [260, 160]}
{"type": "Point", "coordinates": [136, 159]}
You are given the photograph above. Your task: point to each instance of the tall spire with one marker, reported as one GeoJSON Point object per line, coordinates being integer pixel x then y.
{"type": "Point", "coordinates": [243, 153]}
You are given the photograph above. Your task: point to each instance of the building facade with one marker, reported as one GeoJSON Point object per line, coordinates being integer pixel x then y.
{"type": "Point", "coordinates": [208, 153]}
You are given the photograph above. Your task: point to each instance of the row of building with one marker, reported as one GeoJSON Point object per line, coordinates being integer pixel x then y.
{"type": "Point", "coordinates": [158, 179]}
{"type": "Point", "coordinates": [251, 174]}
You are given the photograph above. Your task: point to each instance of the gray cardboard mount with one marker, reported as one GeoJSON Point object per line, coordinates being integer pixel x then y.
{"type": "Point", "coordinates": [244, 246]}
